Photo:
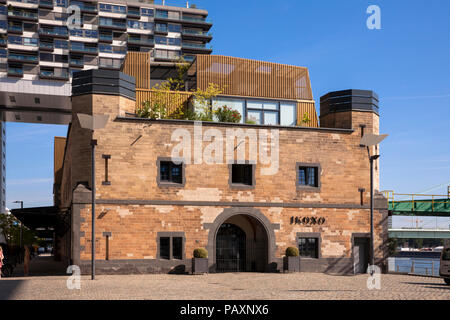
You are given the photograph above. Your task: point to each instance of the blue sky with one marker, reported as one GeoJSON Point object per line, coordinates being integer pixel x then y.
{"type": "Point", "coordinates": [406, 62]}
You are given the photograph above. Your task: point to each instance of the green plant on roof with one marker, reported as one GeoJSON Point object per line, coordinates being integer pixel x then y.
{"type": "Point", "coordinates": [305, 120]}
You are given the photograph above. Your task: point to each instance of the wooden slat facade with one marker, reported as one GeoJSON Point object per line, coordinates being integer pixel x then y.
{"type": "Point", "coordinates": [172, 99]}
{"type": "Point", "coordinates": [137, 65]}
{"type": "Point", "coordinates": [237, 77]}
{"type": "Point", "coordinates": [251, 78]}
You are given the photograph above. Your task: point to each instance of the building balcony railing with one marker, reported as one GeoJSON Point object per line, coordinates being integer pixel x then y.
{"type": "Point", "coordinates": [46, 3]}
{"type": "Point", "coordinates": [82, 48]}
{"type": "Point", "coordinates": [197, 46]}
{"type": "Point", "coordinates": [15, 28]}
{"type": "Point", "coordinates": [194, 19]}
{"type": "Point", "coordinates": [27, 1]}
{"type": "Point", "coordinates": [114, 64]}
{"type": "Point", "coordinates": [53, 32]}
{"type": "Point", "coordinates": [22, 14]}
{"type": "Point", "coordinates": [46, 46]}
{"type": "Point", "coordinates": [17, 72]}
{"type": "Point", "coordinates": [112, 24]}
{"type": "Point", "coordinates": [55, 74]}
{"type": "Point", "coordinates": [197, 33]}
{"type": "Point", "coordinates": [22, 57]}
{"type": "Point", "coordinates": [148, 42]}
{"type": "Point", "coordinates": [77, 62]}
{"type": "Point", "coordinates": [85, 6]}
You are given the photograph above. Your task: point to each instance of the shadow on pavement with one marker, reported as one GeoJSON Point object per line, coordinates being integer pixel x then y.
{"type": "Point", "coordinates": [8, 288]}
{"type": "Point", "coordinates": [43, 265]}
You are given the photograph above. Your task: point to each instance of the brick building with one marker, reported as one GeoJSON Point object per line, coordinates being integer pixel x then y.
{"type": "Point", "coordinates": [153, 210]}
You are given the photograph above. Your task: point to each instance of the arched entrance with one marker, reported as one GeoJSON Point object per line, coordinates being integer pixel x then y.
{"type": "Point", "coordinates": [241, 245]}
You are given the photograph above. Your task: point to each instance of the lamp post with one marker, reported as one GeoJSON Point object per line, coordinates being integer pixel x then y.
{"type": "Point", "coordinates": [370, 140]}
{"type": "Point", "coordinates": [92, 123]}
{"type": "Point", "coordinates": [21, 226]}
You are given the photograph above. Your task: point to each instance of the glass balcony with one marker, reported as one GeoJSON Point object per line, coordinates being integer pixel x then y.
{"type": "Point", "coordinates": [161, 28]}
{"type": "Point", "coordinates": [57, 31]}
{"type": "Point", "coordinates": [15, 28]}
{"type": "Point", "coordinates": [3, 41]}
{"type": "Point", "coordinates": [46, 3]}
{"type": "Point", "coordinates": [113, 8]}
{"type": "Point", "coordinates": [140, 41]}
{"type": "Point", "coordinates": [196, 46]}
{"type": "Point", "coordinates": [105, 37]}
{"type": "Point", "coordinates": [27, 1]}
{"type": "Point", "coordinates": [134, 12]}
{"type": "Point", "coordinates": [197, 33]}
{"type": "Point", "coordinates": [60, 74]}
{"type": "Point", "coordinates": [15, 71]}
{"type": "Point", "coordinates": [23, 57]}
{"type": "Point", "coordinates": [22, 14]}
{"type": "Point", "coordinates": [196, 19]}
{"type": "Point", "coordinates": [77, 62]}
{"type": "Point", "coordinates": [84, 6]}
{"type": "Point", "coordinates": [46, 45]}
{"type": "Point", "coordinates": [111, 23]}
{"type": "Point", "coordinates": [74, 46]}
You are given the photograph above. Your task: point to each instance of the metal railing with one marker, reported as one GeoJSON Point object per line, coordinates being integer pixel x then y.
{"type": "Point", "coordinates": [414, 266]}
{"type": "Point", "coordinates": [416, 199]}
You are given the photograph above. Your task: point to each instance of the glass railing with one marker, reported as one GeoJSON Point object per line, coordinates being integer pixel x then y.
{"type": "Point", "coordinates": [84, 33]}
{"type": "Point", "coordinates": [161, 28]}
{"type": "Point", "coordinates": [105, 37]}
{"type": "Point", "coordinates": [48, 3]}
{"type": "Point", "coordinates": [55, 74]}
{"type": "Point", "coordinates": [134, 12]}
{"type": "Point", "coordinates": [196, 45]}
{"type": "Point", "coordinates": [197, 33]}
{"type": "Point", "coordinates": [84, 6]}
{"type": "Point", "coordinates": [195, 19]}
{"type": "Point", "coordinates": [110, 23]}
{"type": "Point", "coordinates": [15, 28]}
{"type": "Point", "coordinates": [27, 1]}
{"type": "Point", "coordinates": [82, 48]}
{"type": "Point", "coordinates": [22, 57]}
{"type": "Point", "coordinates": [53, 32]}
{"type": "Point", "coordinates": [2, 41]}
{"type": "Point", "coordinates": [77, 62]}
{"type": "Point", "coordinates": [23, 41]}
{"type": "Point", "coordinates": [141, 41]}
{"type": "Point", "coordinates": [15, 71]}
{"type": "Point", "coordinates": [112, 8]}
{"type": "Point", "coordinates": [22, 14]}
{"type": "Point", "coordinates": [115, 64]}
{"type": "Point", "coordinates": [46, 45]}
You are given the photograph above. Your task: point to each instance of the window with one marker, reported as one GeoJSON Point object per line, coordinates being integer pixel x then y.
{"type": "Point", "coordinates": [177, 248]}
{"type": "Point", "coordinates": [171, 245]}
{"type": "Point", "coordinates": [147, 12]}
{"type": "Point", "coordinates": [287, 114]}
{"type": "Point", "coordinates": [242, 175]}
{"type": "Point", "coordinates": [308, 247]}
{"type": "Point", "coordinates": [170, 173]}
{"type": "Point", "coordinates": [234, 104]}
{"type": "Point", "coordinates": [446, 255]}
{"type": "Point", "coordinates": [164, 248]}
{"type": "Point", "coordinates": [174, 27]}
{"type": "Point", "coordinates": [308, 176]}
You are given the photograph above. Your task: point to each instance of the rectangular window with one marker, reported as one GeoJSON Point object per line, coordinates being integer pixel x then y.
{"type": "Point", "coordinates": [170, 173]}
{"type": "Point", "coordinates": [308, 247]}
{"type": "Point", "coordinates": [147, 12]}
{"type": "Point", "coordinates": [242, 174]}
{"type": "Point", "coordinates": [174, 27]}
{"type": "Point", "coordinates": [177, 248]}
{"type": "Point", "coordinates": [171, 245]}
{"type": "Point", "coordinates": [308, 176]}
{"type": "Point", "coordinates": [287, 114]}
{"type": "Point", "coordinates": [164, 248]}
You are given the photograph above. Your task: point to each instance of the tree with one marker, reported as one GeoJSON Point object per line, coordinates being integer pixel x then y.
{"type": "Point", "coordinates": [10, 228]}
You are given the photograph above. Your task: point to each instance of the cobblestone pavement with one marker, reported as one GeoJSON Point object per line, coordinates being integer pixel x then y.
{"type": "Point", "coordinates": [298, 286]}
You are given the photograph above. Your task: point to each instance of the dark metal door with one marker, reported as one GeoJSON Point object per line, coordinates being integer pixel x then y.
{"type": "Point", "coordinates": [230, 249]}
{"type": "Point", "coordinates": [361, 255]}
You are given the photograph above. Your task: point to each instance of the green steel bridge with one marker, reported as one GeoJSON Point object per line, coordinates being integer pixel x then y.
{"type": "Point", "coordinates": [426, 216]}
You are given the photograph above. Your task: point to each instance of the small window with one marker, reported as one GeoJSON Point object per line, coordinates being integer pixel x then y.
{"type": "Point", "coordinates": [177, 247]}
{"type": "Point", "coordinates": [308, 247]}
{"type": "Point", "coordinates": [171, 245]}
{"type": "Point", "coordinates": [308, 176]}
{"type": "Point", "coordinates": [164, 248]}
{"type": "Point", "coordinates": [242, 174]}
{"type": "Point", "coordinates": [171, 172]}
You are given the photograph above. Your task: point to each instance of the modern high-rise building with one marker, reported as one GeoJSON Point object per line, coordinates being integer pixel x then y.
{"type": "Point", "coordinates": [42, 43]}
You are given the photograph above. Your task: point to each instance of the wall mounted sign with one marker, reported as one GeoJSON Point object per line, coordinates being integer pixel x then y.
{"type": "Point", "coordinates": [308, 221]}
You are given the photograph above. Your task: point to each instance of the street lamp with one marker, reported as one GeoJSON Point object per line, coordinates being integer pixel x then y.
{"type": "Point", "coordinates": [370, 140]}
{"type": "Point", "coordinates": [93, 123]}
{"type": "Point", "coordinates": [21, 225]}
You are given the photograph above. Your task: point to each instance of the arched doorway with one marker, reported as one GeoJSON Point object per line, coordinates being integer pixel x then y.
{"type": "Point", "coordinates": [241, 245]}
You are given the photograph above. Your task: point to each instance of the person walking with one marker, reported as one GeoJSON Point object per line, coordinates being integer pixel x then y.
{"type": "Point", "coordinates": [1, 260]}
{"type": "Point", "coordinates": [26, 261]}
